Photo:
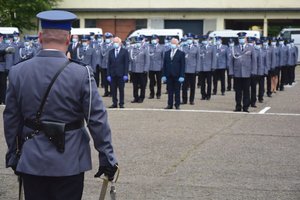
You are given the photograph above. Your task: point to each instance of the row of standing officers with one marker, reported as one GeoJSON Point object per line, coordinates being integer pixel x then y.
{"type": "Point", "coordinates": [250, 62]}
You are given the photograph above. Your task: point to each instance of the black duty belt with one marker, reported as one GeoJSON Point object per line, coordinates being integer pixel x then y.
{"type": "Point", "coordinates": [37, 127]}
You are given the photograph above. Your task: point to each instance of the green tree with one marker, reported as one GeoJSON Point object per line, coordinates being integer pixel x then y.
{"type": "Point", "coordinates": [21, 13]}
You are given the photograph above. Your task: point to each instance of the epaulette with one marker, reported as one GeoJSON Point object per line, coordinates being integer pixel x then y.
{"type": "Point", "coordinates": [77, 62]}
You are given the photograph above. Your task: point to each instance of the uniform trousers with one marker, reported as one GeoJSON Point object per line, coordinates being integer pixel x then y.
{"type": "Point", "coordinates": [3, 85]}
{"type": "Point", "coordinates": [205, 78]}
{"type": "Point", "coordinates": [253, 91]}
{"type": "Point", "coordinates": [242, 92]}
{"type": "Point", "coordinates": [289, 74]}
{"type": "Point", "coordinates": [293, 73]}
{"type": "Point", "coordinates": [229, 80]}
{"type": "Point", "coordinates": [269, 82]}
{"type": "Point", "coordinates": [155, 80]}
{"type": "Point", "coordinates": [53, 188]}
{"type": "Point", "coordinates": [97, 75]}
{"type": "Point", "coordinates": [189, 82]}
{"type": "Point", "coordinates": [104, 81]}
{"type": "Point", "coordinates": [261, 87]}
{"type": "Point", "coordinates": [283, 72]}
{"type": "Point", "coordinates": [117, 83]}
{"type": "Point", "coordinates": [173, 88]}
{"type": "Point", "coordinates": [219, 74]}
{"type": "Point", "coordinates": [139, 81]}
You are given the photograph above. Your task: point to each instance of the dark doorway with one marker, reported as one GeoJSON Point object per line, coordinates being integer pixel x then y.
{"type": "Point", "coordinates": [243, 24]}
{"type": "Point", "coordinates": [188, 26]}
{"type": "Point", "coordinates": [276, 25]}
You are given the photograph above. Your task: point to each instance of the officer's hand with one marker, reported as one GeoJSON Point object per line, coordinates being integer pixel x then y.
{"type": "Point", "coordinates": [10, 50]}
{"type": "Point", "coordinates": [125, 78]}
{"type": "Point", "coordinates": [108, 78]}
{"type": "Point", "coordinates": [164, 79]}
{"type": "Point", "coordinates": [108, 171]}
{"type": "Point", "coordinates": [181, 79]}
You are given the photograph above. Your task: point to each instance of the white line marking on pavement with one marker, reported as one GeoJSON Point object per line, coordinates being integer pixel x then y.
{"type": "Point", "coordinates": [204, 111]}
{"type": "Point", "coordinates": [263, 111]}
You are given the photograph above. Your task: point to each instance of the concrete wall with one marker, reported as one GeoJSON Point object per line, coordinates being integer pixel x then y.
{"type": "Point", "coordinates": [179, 4]}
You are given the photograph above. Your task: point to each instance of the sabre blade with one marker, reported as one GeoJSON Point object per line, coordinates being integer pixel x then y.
{"type": "Point", "coordinates": [103, 189]}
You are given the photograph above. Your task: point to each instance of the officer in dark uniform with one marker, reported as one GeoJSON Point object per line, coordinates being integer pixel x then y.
{"type": "Point", "coordinates": [242, 67]}
{"type": "Point", "coordinates": [229, 60]}
{"type": "Point", "coordinates": [207, 65]}
{"type": "Point", "coordinates": [27, 51]}
{"type": "Point", "coordinates": [49, 172]}
{"type": "Point", "coordinates": [139, 65]}
{"type": "Point", "coordinates": [156, 52]}
{"type": "Point", "coordinates": [192, 62]}
{"type": "Point", "coordinates": [105, 48]}
{"type": "Point", "coordinates": [86, 54]}
{"type": "Point", "coordinates": [219, 73]}
{"type": "Point", "coordinates": [17, 44]}
{"type": "Point", "coordinates": [5, 49]}
{"type": "Point", "coordinates": [283, 56]}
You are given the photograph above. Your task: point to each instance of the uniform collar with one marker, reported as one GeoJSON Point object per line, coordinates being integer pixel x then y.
{"type": "Point", "coordinates": [51, 53]}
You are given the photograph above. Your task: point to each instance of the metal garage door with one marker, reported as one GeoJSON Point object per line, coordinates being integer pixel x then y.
{"type": "Point", "coordinates": [188, 26]}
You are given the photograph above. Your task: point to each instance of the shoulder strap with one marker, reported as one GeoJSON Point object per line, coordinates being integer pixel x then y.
{"type": "Point", "coordinates": [39, 112]}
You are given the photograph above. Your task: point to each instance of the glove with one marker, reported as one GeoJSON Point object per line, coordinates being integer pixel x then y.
{"type": "Point", "coordinates": [108, 171]}
{"type": "Point", "coordinates": [108, 78]}
{"type": "Point", "coordinates": [10, 50]}
{"type": "Point", "coordinates": [181, 79]}
{"type": "Point", "coordinates": [125, 78]}
{"type": "Point", "coordinates": [164, 79]}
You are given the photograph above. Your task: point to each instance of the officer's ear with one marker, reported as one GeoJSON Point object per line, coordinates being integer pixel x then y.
{"type": "Point", "coordinates": [68, 39]}
{"type": "Point", "coordinates": [40, 37]}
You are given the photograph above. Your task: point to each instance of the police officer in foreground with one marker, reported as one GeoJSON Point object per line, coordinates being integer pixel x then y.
{"type": "Point", "coordinates": [49, 171]}
{"type": "Point", "coordinates": [243, 65]}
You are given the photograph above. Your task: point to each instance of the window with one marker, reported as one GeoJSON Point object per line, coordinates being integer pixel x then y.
{"type": "Point", "coordinates": [90, 23]}
{"type": "Point", "coordinates": [141, 23]}
{"type": "Point", "coordinates": [76, 24]}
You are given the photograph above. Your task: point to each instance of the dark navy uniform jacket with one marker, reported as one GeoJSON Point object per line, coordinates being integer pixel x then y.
{"type": "Point", "coordinates": [174, 67]}
{"type": "Point", "coordinates": [67, 102]}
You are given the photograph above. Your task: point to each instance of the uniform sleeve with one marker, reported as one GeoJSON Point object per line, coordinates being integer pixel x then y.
{"type": "Point", "coordinates": [12, 119]}
{"type": "Point", "coordinates": [147, 60]}
{"type": "Point", "coordinates": [198, 60]}
{"type": "Point", "coordinates": [230, 61]}
{"type": "Point", "coordinates": [98, 123]}
{"type": "Point", "coordinates": [253, 62]}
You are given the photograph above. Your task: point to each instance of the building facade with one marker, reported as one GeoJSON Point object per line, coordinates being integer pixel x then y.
{"type": "Point", "coordinates": [121, 17]}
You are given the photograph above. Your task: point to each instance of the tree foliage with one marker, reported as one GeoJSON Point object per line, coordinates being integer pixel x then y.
{"type": "Point", "coordinates": [21, 13]}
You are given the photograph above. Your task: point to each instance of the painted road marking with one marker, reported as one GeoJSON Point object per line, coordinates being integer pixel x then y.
{"type": "Point", "coordinates": [263, 111]}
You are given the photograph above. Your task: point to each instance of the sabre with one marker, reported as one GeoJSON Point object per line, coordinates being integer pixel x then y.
{"type": "Point", "coordinates": [104, 188]}
{"type": "Point", "coordinates": [113, 192]}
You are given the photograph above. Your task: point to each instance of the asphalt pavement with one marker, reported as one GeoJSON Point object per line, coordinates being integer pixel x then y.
{"type": "Point", "coordinates": [201, 152]}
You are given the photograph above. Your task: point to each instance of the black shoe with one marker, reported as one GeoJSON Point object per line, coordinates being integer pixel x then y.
{"type": "Point", "coordinates": [121, 106]}
{"type": "Point", "coordinates": [134, 101]}
{"type": "Point", "coordinates": [261, 101]}
{"type": "Point", "coordinates": [177, 107]}
{"type": "Point", "coordinates": [228, 89]}
{"type": "Point", "coordinates": [214, 93]}
{"type": "Point", "coordinates": [113, 106]}
{"type": "Point", "coordinates": [207, 98]}
{"type": "Point", "coordinates": [281, 89]}
{"type": "Point", "coordinates": [203, 98]}
{"type": "Point", "coordinates": [151, 97]}
{"type": "Point", "coordinates": [246, 110]}
{"type": "Point", "coordinates": [253, 106]}
{"type": "Point", "coordinates": [140, 100]}
{"type": "Point", "coordinates": [269, 95]}
{"type": "Point", "coordinates": [192, 103]}
{"type": "Point", "coordinates": [105, 95]}
{"type": "Point", "coordinates": [238, 109]}
{"type": "Point", "coordinates": [169, 107]}
{"type": "Point", "coordinates": [158, 96]}
{"type": "Point", "coordinates": [184, 102]}
{"type": "Point", "coordinates": [223, 93]}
